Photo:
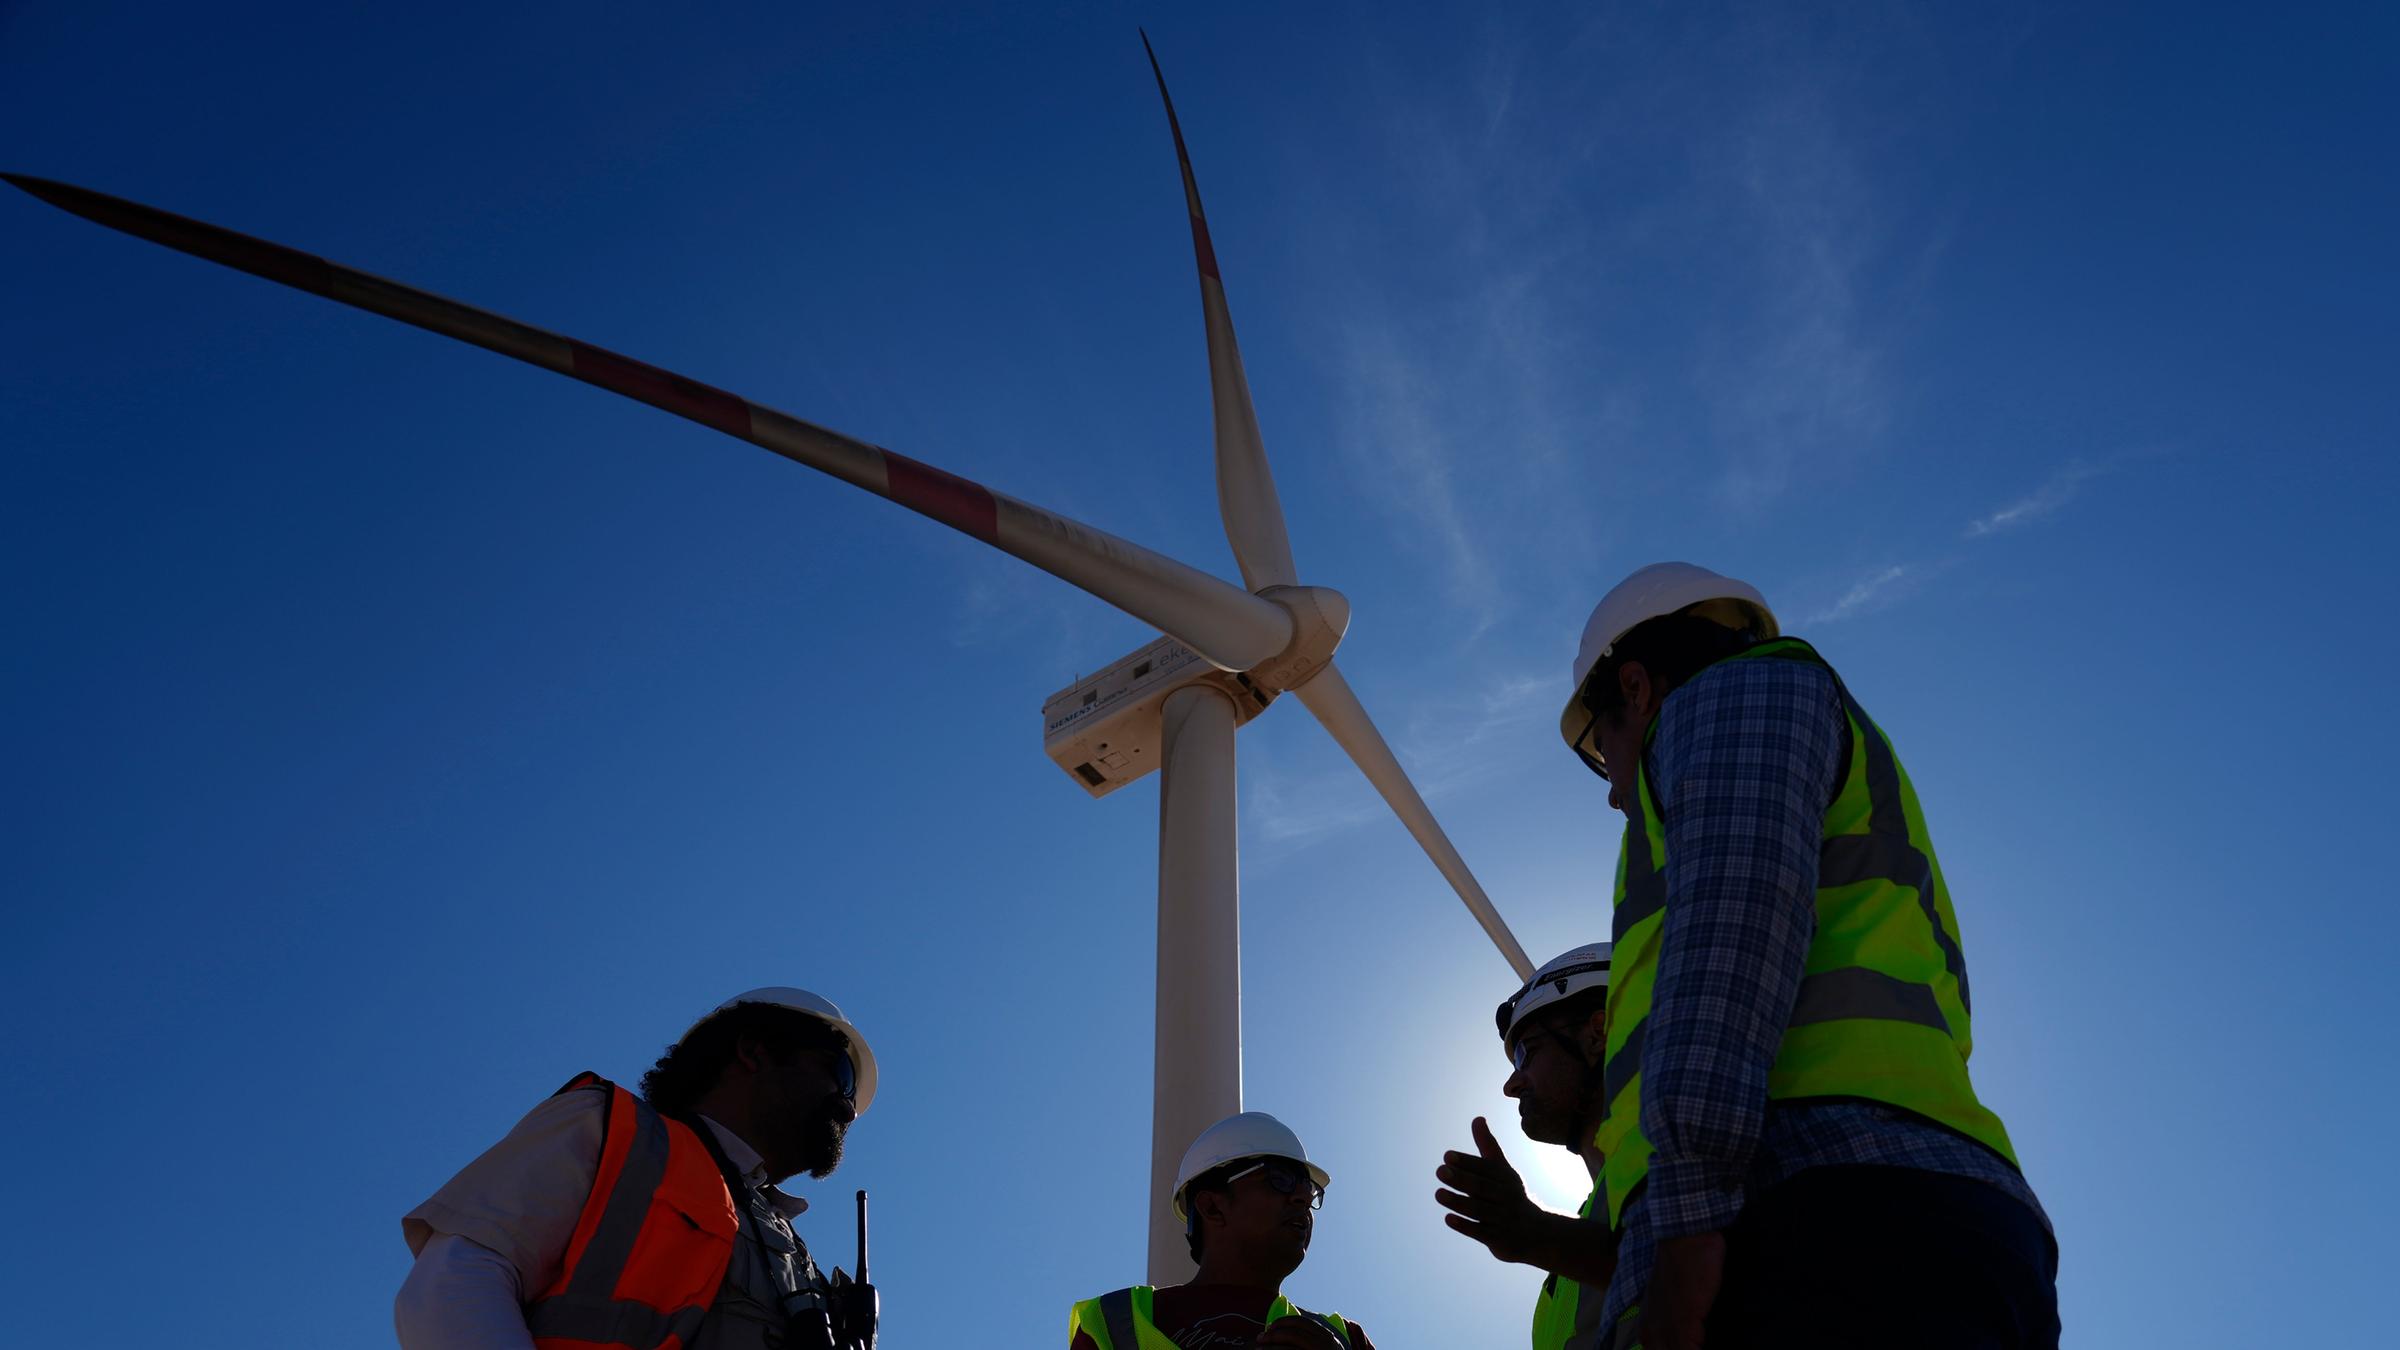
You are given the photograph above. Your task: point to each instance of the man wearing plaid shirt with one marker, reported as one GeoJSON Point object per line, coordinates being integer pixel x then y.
{"type": "Point", "coordinates": [1794, 1154]}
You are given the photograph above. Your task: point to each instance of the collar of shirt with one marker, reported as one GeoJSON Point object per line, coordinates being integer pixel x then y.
{"type": "Point", "coordinates": [753, 1168]}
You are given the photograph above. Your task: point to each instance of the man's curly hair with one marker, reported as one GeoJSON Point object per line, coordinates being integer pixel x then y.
{"type": "Point", "coordinates": [691, 1066]}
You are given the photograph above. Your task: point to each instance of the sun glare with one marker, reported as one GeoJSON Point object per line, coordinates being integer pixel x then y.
{"type": "Point", "coordinates": [1553, 1176]}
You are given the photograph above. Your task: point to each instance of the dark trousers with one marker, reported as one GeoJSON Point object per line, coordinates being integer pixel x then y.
{"type": "Point", "coordinates": [1870, 1257]}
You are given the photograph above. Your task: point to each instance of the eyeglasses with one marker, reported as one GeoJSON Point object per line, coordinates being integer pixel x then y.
{"type": "Point", "coordinates": [1592, 758]}
{"type": "Point", "coordinates": [845, 1075]}
{"type": "Point", "coordinates": [1517, 1053]}
{"type": "Point", "coordinates": [1285, 1178]}
{"type": "Point", "coordinates": [1523, 1049]}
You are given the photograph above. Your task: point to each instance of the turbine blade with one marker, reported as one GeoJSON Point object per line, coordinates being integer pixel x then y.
{"type": "Point", "coordinates": [1246, 497]}
{"type": "Point", "coordinates": [1229, 627]}
{"type": "Point", "coordinates": [1328, 696]}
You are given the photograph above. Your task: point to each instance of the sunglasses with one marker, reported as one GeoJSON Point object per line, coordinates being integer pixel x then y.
{"type": "Point", "coordinates": [1285, 1178]}
{"type": "Point", "coordinates": [845, 1075]}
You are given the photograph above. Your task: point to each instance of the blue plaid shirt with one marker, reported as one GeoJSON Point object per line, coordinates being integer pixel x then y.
{"type": "Point", "coordinates": [1747, 757]}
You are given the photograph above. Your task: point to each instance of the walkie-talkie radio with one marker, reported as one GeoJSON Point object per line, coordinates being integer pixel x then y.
{"type": "Point", "coordinates": [839, 1313]}
{"type": "Point", "coordinates": [856, 1308]}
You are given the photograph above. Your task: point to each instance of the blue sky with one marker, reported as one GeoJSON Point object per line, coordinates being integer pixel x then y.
{"type": "Point", "coordinates": [396, 730]}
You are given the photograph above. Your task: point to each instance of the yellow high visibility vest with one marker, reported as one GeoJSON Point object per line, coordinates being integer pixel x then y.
{"type": "Point", "coordinates": [1883, 1010]}
{"type": "Point", "coordinates": [1120, 1320]}
{"type": "Point", "coordinates": [1567, 1315]}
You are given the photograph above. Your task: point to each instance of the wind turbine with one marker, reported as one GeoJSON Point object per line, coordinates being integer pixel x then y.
{"type": "Point", "coordinates": [1174, 705]}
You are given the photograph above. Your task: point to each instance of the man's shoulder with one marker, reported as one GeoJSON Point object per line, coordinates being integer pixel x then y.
{"type": "Point", "coordinates": [1128, 1290]}
{"type": "Point", "coordinates": [525, 1189]}
{"type": "Point", "coordinates": [1352, 1334]}
{"type": "Point", "coordinates": [1748, 695]}
{"type": "Point", "coordinates": [569, 1110]}
{"type": "Point", "coordinates": [1740, 719]}
{"type": "Point", "coordinates": [1796, 671]}
{"type": "Point", "coordinates": [1090, 1315]}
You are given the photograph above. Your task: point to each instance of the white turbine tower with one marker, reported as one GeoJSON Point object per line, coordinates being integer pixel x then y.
{"type": "Point", "coordinates": [1173, 705]}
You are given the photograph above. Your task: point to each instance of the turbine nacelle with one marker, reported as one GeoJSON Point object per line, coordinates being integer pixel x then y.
{"type": "Point", "coordinates": [1106, 729]}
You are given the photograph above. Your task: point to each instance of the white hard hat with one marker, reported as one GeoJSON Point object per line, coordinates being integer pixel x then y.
{"type": "Point", "coordinates": [862, 1060]}
{"type": "Point", "coordinates": [1561, 977]}
{"type": "Point", "coordinates": [1252, 1134]}
{"type": "Point", "coordinates": [1654, 592]}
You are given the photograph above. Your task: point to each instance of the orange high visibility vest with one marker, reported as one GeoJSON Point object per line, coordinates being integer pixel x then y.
{"type": "Point", "coordinates": [652, 1244]}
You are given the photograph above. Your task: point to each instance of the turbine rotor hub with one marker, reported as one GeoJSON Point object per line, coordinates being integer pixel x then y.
{"type": "Point", "coordinates": [1320, 615]}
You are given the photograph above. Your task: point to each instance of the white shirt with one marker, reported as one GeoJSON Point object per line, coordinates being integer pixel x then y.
{"type": "Point", "coordinates": [500, 1228]}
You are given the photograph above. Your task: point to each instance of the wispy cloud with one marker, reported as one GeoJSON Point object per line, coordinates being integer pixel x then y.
{"type": "Point", "coordinates": [1288, 810]}
{"type": "Point", "coordinates": [1449, 746]}
{"type": "Point", "coordinates": [1681, 280]}
{"type": "Point", "coordinates": [1393, 423]}
{"type": "Point", "coordinates": [1470, 723]}
{"type": "Point", "coordinates": [1474, 389]}
{"type": "Point", "coordinates": [1800, 377]}
{"type": "Point", "coordinates": [1455, 744]}
{"type": "Point", "coordinates": [1872, 592]}
{"type": "Point", "coordinates": [2053, 494]}
{"type": "Point", "coordinates": [1890, 583]}
{"type": "Point", "coordinates": [1001, 602]}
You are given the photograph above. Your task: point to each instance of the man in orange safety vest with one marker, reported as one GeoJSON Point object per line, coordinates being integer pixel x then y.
{"type": "Point", "coordinates": [606, 1219]}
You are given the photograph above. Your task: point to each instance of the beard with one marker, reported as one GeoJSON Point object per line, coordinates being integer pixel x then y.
{"type": "Point", "coordinates": [1544, 1124]}
{"type": "Point", "coordinates": [821, 1150]}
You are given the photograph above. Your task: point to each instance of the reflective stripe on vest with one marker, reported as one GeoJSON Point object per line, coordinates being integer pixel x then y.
{"type": "Point", "coordinates": [1124, 1330]}
{"type": "Point", "coordinates": [1116, 1309]}
{"type": "Point", "coordinates": [652, 1243]}
{"type": "Point", "coordinates": [1567, 1315]}
{"type": "Point", "coordinates": [1882, 1012]}
{"type": "Point", "coordinates": [1121, 1320]}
